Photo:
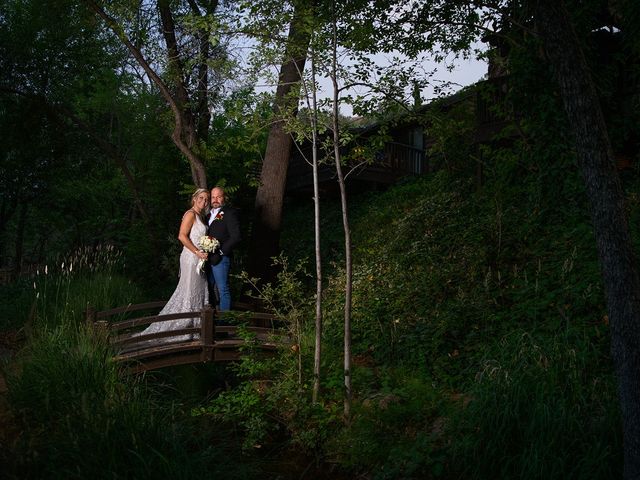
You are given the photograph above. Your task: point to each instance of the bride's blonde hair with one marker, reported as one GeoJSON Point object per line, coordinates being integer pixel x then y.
{"type": "Point", "coordinates": [196, 193]}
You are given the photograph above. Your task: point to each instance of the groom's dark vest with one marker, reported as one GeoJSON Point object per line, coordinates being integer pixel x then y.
{"type": "Point", "coordinates": [226, 228]}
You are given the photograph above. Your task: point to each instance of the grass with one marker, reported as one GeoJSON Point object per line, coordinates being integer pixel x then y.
{"type": "Point", "coordinates": [539, 409]}
{"type": "Point", "coordinates": [81, 417]}
{"type": "Point", "coordinates": [77, 414]}
{"type": "Point", "coordinates": [86, 277]}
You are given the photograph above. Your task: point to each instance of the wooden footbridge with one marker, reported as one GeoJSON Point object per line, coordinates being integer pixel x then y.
{"type": "Point", "coordinates": [220, 337]}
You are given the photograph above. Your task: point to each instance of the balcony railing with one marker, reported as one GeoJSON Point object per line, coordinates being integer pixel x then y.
{"type": "Point", "coordinates": [404, 159]}
{"type": "Point", "coordinates": [396, 160]}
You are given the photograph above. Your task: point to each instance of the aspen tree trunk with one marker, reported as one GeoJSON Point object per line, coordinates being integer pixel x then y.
{"type": "Point", "coordinates": [607, 204]}
{"type": "Point", "coordinates": [345, 224]}
{"type": "Point", "coordinates": [317, 357]}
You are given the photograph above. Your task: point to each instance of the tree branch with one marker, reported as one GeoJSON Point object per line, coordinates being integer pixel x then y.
{"type": "Point", "coordinates": [182, 124]}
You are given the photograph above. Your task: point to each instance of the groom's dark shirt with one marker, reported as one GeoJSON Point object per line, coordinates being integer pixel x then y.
{"type": "Point", "coordinates": [225, 226]}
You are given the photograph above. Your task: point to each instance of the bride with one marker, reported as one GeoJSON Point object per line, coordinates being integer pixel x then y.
{"type": "Point", "coordinates": [191, 294]}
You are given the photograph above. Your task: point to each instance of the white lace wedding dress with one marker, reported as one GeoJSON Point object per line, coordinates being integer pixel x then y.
{"type": "Point", "coordinates": [190, 295]}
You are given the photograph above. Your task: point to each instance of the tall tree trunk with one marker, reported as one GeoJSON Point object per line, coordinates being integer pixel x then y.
{"type": "Point", "coordinates": [6, 212]}
{"type": "Point", "coordinates": [313, 108]}
{"type": "Point", "coordinates": [617, 260]}
{"type": "Point", "coordinates": [202, 95]}
{"type": "Point", "coordinates": [345, 223]}
{"type": "Point", "coordinates": [187, 132]}
{"type": "Point", "coordinates": [265, 236]}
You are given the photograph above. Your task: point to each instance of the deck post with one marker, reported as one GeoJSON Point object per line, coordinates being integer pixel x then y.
{"type": "Point", "coordinates": [91, 315]}
{"type": "Point", "coordinates": [207, 333]}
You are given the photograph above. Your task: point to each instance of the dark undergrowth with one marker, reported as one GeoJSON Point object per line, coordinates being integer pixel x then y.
{"type": "Point", "coordinates": [480, 336]}
{"type": "Point", "coordinates": [480, 350]}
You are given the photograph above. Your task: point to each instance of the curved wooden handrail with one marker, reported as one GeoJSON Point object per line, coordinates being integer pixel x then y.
{"type": "Point", "coordinates": [203, 346]}
{"type": "Point", "coordinates": [126, 339]}
{"type": "Point", "coordinates": [136, 322]}
{"type": "Point", "coordinates": [130, 308]}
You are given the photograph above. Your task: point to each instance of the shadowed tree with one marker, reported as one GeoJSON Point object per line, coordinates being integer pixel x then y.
{"type": "Point", "coordinates": [187, 86]}
{"type": "Point", "coordinates": [608, 214]}
{"type": "Point", "coordinates": [265, 236]}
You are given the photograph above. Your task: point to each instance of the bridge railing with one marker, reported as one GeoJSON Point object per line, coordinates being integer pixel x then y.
{"type": "Point", "coordinates": [203, 343]}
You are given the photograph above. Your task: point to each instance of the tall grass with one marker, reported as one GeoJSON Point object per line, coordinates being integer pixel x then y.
{"type": "Point", "coordinates": [81, 417]}
{"type": "Point", "coordinates": [78, 414]}
{"type": "Point", "coordinates": [87, 276]}
{"type": "Point", "coordinates": [542, 407]}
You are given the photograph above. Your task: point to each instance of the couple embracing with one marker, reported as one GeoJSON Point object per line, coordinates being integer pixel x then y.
{"type": "Point", "coordinates": [207, 217]}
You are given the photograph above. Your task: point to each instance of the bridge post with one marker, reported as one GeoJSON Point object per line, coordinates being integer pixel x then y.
{"type": "Point", "coordinates": [207, 333]}
{"type": "Point", "coordinates": [91, 315]}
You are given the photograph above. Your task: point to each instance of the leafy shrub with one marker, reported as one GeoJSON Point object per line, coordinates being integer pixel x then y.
{"type": "Point", "coordinates": [271, 397]}
{"type": "Point", "coordinates": [395, 431]}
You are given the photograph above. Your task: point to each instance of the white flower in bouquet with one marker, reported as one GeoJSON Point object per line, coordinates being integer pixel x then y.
{"type": "Point", "coordinates": [207, 244]}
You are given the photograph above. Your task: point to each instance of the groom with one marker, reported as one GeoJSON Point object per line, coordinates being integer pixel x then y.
{"type": "Point", "coordinates": [223, 224]}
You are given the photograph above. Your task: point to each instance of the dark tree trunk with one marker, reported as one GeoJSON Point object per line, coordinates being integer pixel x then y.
{"type": "Point", "coordinates": [7, 209]}
{"type": "Point", "coordinates": [617, 260]}
{"type": "Point", "coordinates": [185, 135]}
{"type": "Point", "coordinates": [202, 95]}
{"type": "Point", "coordinates": [265, 237]}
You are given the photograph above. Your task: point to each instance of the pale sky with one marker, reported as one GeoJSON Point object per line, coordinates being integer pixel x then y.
{"type": "Point", "coordinates": [464, 73]}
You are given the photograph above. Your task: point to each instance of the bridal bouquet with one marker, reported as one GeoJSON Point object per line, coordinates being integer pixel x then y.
{"type": "Point", "coordinates": [208, 244]}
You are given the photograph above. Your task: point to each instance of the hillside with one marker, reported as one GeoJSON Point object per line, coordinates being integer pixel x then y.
{"type": "Point", "coordinates": [479, 327]}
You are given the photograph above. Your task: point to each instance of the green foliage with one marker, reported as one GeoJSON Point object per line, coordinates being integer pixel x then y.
{"type": "Point", "coordinates": [81, 416]}
{"type": "Point", "coordinates": [285, 296]}
{"type": "Point", "coordinates": [395, 431]}
{"type": "Point", "coordinates": [451, 130]}
{"type": "Point", "coordinates": [268, 405]}
{"type": "Point", "coordinates": [541, 405]}
{"type": "Point", "coordinates": [271, 398]}
{"type": "Point", "coordinates": [442, 269]}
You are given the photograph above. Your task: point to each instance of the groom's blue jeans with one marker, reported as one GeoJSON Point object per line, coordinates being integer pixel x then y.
{"type": "Point", "coordinates": [220, 277]}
